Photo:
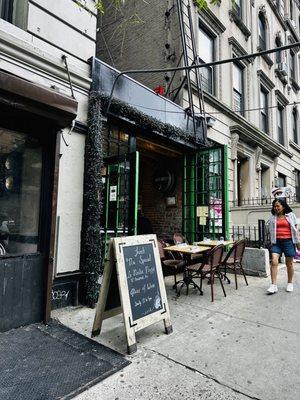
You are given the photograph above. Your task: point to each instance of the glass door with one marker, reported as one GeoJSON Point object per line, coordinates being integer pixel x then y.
{"type": "Point", "coordinates": [120, 197]}
{"type": "Point", "coordinates": [26, 177]}
{"type": "Point", "coordinates": [205, 194]}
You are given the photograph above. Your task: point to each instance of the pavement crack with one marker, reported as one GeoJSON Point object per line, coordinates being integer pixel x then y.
{"type": "Point", "coordinates": [206, 376]}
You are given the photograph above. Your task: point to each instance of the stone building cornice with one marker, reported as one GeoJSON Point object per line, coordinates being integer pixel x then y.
{"type": "Point", "coordinates": [292, 29]}
{"type": "Point", "coordinates": [281, 97]}
{"type": "Point", "coordinates": [233, 16]}
{"type": "Point", "coordinates": [256, 138]}
{"type": "Point", "coordinates": [21, 50]}
{"type": "Point", "coordinates": [238, 49]}
{"type": "Point", "coordinates": [209, 18]}
{"type": "Point", "coordinates": [266, 81]}
{"type": "Point", "coordinates": [294, 145]}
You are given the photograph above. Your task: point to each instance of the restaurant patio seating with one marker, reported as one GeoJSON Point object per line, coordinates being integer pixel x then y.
{"type": "Point", "coordinates": [179, 238]}
{"type": "Point", "coordinates": [233, 260]}
{"type": "Point", "coordinates": [170, 265]}
{"type": "Point", "coordinates": [209, 268]}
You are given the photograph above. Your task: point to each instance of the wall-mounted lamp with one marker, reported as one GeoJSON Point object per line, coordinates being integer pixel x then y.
{"type": "Point", "coordinates": [210, 121]}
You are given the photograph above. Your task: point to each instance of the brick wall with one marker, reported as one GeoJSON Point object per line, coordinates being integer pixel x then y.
{"type": "Point", "coordinates": [165, 220]}
{"type": "Point", "coordinates": [142, 36]}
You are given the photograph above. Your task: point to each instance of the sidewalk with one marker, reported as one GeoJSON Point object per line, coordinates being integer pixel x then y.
{"type": "Point", "coordinates": [244, 346]}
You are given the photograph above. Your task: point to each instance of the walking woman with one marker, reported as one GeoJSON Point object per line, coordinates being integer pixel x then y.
{"type": "Point", "coordinates": [284, 237]}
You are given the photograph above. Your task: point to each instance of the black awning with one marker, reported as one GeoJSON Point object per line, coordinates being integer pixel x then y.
{"type": "Point", "coordinates": [37, 99]}
{"type": "Point", "coordinates": [144, 100]}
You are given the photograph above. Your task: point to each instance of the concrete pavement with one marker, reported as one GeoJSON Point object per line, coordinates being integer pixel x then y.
{"type": "Point", "coordinates": [244, 346]}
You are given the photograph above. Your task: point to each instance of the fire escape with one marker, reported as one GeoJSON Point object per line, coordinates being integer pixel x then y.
{"type": "Point", "coordinates": [192, 77]}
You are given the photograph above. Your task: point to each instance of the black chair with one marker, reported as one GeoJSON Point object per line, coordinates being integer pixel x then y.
{"type": "Point", "coordinates": [233, 260]}
{"type": "Point", "coordinates": [170, 265]}
{"type": "Point", "coordinates": [209, 268]}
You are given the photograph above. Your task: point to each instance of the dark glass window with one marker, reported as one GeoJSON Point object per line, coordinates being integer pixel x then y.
{"type": "Point", "coordinates": [20, 191]}
{"type": "Point", "coordinates": [262, 32]}
{"type": "Point", "coordinates": [238, 88]}
{"type": "Point", "coordinates": [278, 56]}
{"type": "Point", "coordinates": [237, 7]}
{"type": "Point", "coordinates": [116, 142]}
{"type": "Point", "coordinates": [278, 5]}
{"type": "Point", "coordinates": [281, 180]}
{"type": "Point", "coordinates": [291, 10]}
{"type": "Point", "coordinates": [292, 64]}
{"type": "Point", "coordinates": [206, 55]}
{"type": "Point", "coordinates": [264, 110]}
{"type": "Point", "coordinates": [15, 12]}
{"type": "Point", "coordinates": [280, 133]}
{"type": "Point", "coordinates": [6, 9]}
{"type": "Point", "coordinates": [295, 125]}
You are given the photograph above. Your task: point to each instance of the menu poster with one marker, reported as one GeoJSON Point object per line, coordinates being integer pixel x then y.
{"type": "Point", "coordinates": [142, 280]}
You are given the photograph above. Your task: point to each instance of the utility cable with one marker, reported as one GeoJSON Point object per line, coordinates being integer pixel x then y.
{"type": "Point", "coordinates": [294, 103]}
{"type": "Point", "coordinates": [204, 65]}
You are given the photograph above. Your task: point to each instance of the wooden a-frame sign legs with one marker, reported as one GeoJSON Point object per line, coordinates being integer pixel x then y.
{"type": "Point", "coordinates": [133, 284]}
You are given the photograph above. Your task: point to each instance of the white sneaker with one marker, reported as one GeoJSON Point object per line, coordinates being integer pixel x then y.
{"type": "Point", "coordinates": [289, 287]}
{"type": "Point", "coordinates": [272, 289]}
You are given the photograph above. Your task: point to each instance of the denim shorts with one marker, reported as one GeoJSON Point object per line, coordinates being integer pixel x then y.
{"type": "Point", "coordinates": [285, 246]}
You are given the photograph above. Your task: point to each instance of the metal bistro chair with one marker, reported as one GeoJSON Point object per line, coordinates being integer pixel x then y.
{"type": "Point", "coordinates": [233, 260]}
{"type": "Point", "coordinates": [210, 267]}
{"type": "Point", "coordinates": [170, 265]}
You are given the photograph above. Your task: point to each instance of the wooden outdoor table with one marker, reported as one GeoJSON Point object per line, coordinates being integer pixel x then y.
{"type": "Point", "coordinates": [213, 243]}
{"type": "Point", "coordinates": [187, 251]}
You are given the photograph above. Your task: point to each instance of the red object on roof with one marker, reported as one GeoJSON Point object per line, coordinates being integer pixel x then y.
{"type": "Point", "coordinates": [159, 90]}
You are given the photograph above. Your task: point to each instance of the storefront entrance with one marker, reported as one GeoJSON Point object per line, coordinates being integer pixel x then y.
{"type": "Point", "coordinates": [26, 175]}
{"type": "Point", "coordinates": [156, 187]}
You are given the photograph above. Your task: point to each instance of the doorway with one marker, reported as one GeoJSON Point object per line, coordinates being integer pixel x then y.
{"type": "Point", "coordinates": [26, 178]}
{"type": "Point", "coordinates": [160, 187]}
{"type": "Point", "coordinates": [176, 188]}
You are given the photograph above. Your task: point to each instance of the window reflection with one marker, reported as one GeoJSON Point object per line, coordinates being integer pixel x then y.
{"type": "Point", "coordinates": [20, 184]}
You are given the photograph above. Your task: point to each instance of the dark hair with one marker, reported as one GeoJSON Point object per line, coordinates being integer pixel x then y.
{"type": "Point", "coordinates": [286, 208]}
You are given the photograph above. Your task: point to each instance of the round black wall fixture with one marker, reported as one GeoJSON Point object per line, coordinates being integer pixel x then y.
{"type": "Point", "coordinates": [164, 180]}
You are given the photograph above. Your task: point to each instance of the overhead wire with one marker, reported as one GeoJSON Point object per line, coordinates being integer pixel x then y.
{"type": "Point", "coordinates": [294, 103]}
{"type": "Point", "coordinates": [196, 66]}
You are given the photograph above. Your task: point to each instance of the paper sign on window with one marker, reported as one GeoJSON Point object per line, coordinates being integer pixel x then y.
{"type": "Point", "coordinates": [113, 193]}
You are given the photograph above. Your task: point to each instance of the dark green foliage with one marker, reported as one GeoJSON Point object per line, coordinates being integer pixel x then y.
{"type": "Point", "coordinates": [145, 122]}
{"type": "Point", "coordinates": [92, 206]}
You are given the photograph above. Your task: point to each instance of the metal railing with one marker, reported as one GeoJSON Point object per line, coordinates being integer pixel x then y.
{"type": "Point", "coordinates": [255, 235]}
{"type": "Point", "coordinates": [262, 201]}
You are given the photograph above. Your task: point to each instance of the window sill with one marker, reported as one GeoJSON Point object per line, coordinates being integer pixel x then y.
{"type": "Point", "coordinates": [281, 76]}
{"type": "Point", "coordinates": [294, 145]}
{"type": "Point", "coordinates": [291, 24]}
{"type": "Point", "coordinates": [267, 58]}
{"type": "Point", "coordinates": [238, 21]}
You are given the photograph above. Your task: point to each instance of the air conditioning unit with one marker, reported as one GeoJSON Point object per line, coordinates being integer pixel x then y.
{"type": "Point", "coordinates": [282, 68]}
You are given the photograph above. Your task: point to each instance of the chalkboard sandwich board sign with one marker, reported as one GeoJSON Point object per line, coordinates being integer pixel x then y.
{"type": "Point", "coordinates": [141, 286]}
